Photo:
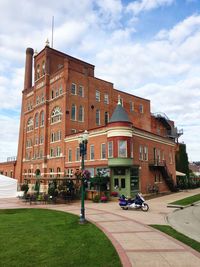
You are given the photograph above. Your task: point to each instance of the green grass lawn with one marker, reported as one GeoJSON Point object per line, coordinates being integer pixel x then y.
{"type": "Point", "coordinates": [37, 237]}
{"type": "Point", "coordinates": [187, 201]}
{"type": "Point", "coordinates": [173, 233]}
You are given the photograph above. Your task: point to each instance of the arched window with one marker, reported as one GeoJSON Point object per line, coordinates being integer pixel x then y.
{"type": "Point", "coordinates": [36, 120]}
{"type": "Point", "coordinates": [42, 118]}
{"type": "Point", "coordinates": [56, 115]}
{"type": "Point", "coordinates": [43, 68]}
{"type": "Point", "coordinates": [38, 72]}
{"type": "Point", "coordinates": [81, 113]}
{"type": "Point", "coordinates": [30, 125]}
{"type": "Point", "coordinates": [73, 112]}
{"type": "Point", "coordinates": [52, 94]}
{"type": "Point", "coordinates": [58, 172]}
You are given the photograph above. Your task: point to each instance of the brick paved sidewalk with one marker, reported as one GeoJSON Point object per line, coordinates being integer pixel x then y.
{"type": "Point", "coordinates": [137, 244]}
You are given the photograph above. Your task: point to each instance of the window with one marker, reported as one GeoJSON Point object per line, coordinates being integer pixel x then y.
{"type": "Point", "coordinates": [131, 149]}
{"type": "Point", "coordinates": [103, 151]}
{"type": "Point", "coordinates": [42, 118]}
{"type": "Point", "coordinates": [106, 99]}
{"type": "Point", "coordinates": [97, 96]}
{"type": "Point", "coordinates": [110, 149]}
{"type": "Point", "coordinates": [122, 146]}
{"type": "Point", "coordinates": [36, 140]}
{"type": "Point", "coordinates": [56, 115]}
{"type": "Point", "coordinates": [73, 112]}
{"type": "Point", "coordinates": [123, 183]}
{"type": "Point", "coordinates": [73, 131]}
{"type": "Point", "coordinates": [141, 109]}
{"type": "Point", "coordinates": [140, 152]}
{"type": "Point", "coordinates": [41, 154]}
{"type": "Point", "coordinates": [30, 125]}
{"type": "Point", "coordinates": [170, 158]}
{"type": "Point", "coordinates": [131, 106]}
{"type": "Point", "coordinates": [37, 100]}
{"type": "Point", "coordinates": [51, 170]}
{"type": "Point", "coordinates": [52, 94]}
{"type": "Point", "coordinates": [38, 72]}
{"type": "Point", "coordinates": [69, 155]}
{"type": "Point", "coordinates": [51, 152]}
{"type": "Point", "coordinates": [61, 89]}
{"type": "Point", "coordinates": [77, 154]}
{"type": "Point", "coordinates": [43, 68]}
{"type": "Point", "coordinates": [58, 151]}
{"type": "Point", "coordinates": [41, 139]}
{"type": "Point", "coordinates": [121, 101]}
{"type": "Point", "coordinates": [81, 91]}
{"type": "Point", "coordinates": [146, 153]}
{"type": "Point", "coordinates": [73, 89]}
{"type": "Point", "coordinates": [81, 114]}
{"type": "Point", "coordinates": [92, 152]}
{"type": "Point", "coordinates": [42, 97]}
{"type": "Point", "coordinates": [106, 117]}
{"type": "Point", "coordinates": [97, 117]}
{"type": "Point", "coordinates": [58, 172]}
{"type": "Point", "coordinates": [57, 92]}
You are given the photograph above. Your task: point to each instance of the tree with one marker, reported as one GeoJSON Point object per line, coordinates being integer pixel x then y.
{"type": "Point", "coordinates": [182, 164]}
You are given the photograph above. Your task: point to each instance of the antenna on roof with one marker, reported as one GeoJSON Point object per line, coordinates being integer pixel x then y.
{"type": "Point", "coordinates": [52, 28]}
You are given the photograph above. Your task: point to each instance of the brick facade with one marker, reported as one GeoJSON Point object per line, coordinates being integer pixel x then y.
{"type": "Point", "coordinates": [64, 100]}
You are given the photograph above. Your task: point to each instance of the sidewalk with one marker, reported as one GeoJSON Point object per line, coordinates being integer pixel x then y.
{"type": "Point", "coordinates": [137, 244]}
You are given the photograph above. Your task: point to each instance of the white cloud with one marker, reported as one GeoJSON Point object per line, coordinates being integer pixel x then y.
{"type": "Point", "coordinates": [164, 69]}
{"type": "Point", "coordinates": [146, 5]}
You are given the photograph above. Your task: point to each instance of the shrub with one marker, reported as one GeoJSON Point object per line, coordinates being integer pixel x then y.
{"type": "Point", "coordinates": [114, 194]}
{"type": "Point", "coordinates": [96, 199]}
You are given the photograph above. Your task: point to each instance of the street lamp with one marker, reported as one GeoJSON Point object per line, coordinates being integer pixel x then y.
{"type": "Point", "coordinates": [83, 151]}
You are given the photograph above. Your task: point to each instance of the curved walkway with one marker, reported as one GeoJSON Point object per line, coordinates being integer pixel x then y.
{"type": "Point", "coordinates": [138, 244]}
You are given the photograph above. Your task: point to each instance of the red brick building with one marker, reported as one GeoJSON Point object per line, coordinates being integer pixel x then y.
{"type": "Point", "coordinates": [136, 148]}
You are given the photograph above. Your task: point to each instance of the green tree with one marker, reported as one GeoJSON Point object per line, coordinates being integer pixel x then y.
{"type": "Point", "coordinates": [182, 164]}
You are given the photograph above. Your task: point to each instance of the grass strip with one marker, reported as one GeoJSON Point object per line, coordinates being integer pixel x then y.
{"type": "Point", "coordinates": [177, 235]}
{"type": "Point", "coordinates": [187, 201]}
{"type": "Point", "coordinates": [38, 238]}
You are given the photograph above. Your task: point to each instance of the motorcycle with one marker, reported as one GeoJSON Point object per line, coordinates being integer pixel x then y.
{"type": "Point", "coordinates": [133, 203]}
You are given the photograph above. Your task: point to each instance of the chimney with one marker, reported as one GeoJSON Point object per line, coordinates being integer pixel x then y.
{"type": "Point", "coordinates": [28, 68]}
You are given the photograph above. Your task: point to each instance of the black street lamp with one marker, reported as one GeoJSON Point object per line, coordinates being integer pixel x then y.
{"type": "Point", "coordinates": [83, 151]}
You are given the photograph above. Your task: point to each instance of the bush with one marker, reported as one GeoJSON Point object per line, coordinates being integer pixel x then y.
{"type": "Point", "coordinates": [114, 194]}
{"type": "Point", "coordinates": [96, 199]}
{"type": "Point", "coordinates": [104, 199]}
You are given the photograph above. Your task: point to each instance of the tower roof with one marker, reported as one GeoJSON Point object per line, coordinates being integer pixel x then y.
{"type": "Point", "coordinates": [119, 114]}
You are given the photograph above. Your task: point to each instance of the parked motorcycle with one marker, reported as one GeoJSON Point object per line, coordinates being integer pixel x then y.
{"type": "Point", "coordinates": [133, 203]}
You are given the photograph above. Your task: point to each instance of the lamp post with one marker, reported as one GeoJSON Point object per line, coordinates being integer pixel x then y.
{"type": "Point", "coordinates": [83, 151]}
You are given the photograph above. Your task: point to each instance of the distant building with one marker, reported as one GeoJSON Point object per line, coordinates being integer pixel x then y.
{"type": "Point", "coordinates": [134, 147]}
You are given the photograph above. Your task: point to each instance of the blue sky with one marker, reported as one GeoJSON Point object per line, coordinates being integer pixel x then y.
{"type": "Point", "coordinates": [153, 44]}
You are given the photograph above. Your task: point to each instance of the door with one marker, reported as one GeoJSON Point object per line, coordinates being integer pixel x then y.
{"type": "Point", "coordinates": [120, 181]}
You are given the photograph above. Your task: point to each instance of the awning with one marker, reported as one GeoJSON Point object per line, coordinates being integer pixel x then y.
{"type": "Point", "coordinates": [180, 173]}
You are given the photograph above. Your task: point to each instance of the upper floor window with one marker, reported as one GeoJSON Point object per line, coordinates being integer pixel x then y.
{"type": "Point", "coordinates": [52, 93]}
{"type": "Point", "coordinates": [42, 97]}
{"type": "Point", "coordinates": [57, 92]}
{"type": "Point", "coordinates": [106, 99]}
{"type": "Point", "coordinates": [42, 118]}
{"type": "Point", "coordinates": [30, 124]}
{"type": "Point", "coordinates": [73, 112]}
{"type": "Point", "coordinates": [38, 72]}
{"type": "Point", "coordinates": [106, 117]}
{"type": "Point", "coordinates": [37, 100]}
{"type": "Point", "coordinates": [58, 151]}
{"type": "Point", "coordinates": [61, 89]}
{"type": "Point", "coordinates": [73, 89]}
{"type": "Point", "coordinates": [103, 151]}
{"type": "Point", "coordinates": [110, 149]}
{"type": "Point", "coordinates": [56, 115]}
{"type": "Point", "coordinates": [141, 108]}
{"type": "Point", "coordinates": [36, 120]}
{"type": "Point", "coordinates": [92, 152]}
{"type": "Point", "coordinates": [41, 139]}
{"type": "Point", "coordinates": [69, 155]}
{"type": "Point", "coordinates": [97, 96]}
{"type": "Point", "coordinates": [145, 153]}
{"type": "Point", "coordinates": [97, 117]}
{"type": "Point", "coordinates": [140, 152]}
{"type": "Point", "coordinates": [52, 152]}
{"type": "Point", "coordinates": [122, 148]}
{"type": "Point", "coordinates": [43, 68]}
{"type": "Point", "coordinates": [81, 113]}
{"type": "Point", "coordinates": [81, 91]}
{"type": "Point", "coordinates": [131, 106]}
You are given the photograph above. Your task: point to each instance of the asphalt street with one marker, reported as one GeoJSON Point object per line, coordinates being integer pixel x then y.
{"type": "Point", "coordinates": [187, 221]}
